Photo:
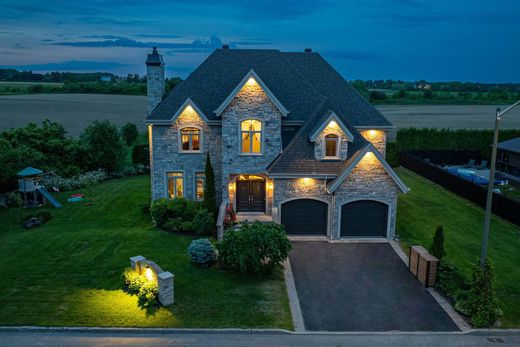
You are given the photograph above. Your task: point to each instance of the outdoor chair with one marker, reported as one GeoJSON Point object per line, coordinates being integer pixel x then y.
{"type": "Point", "coordinates": [470, 163]}
{"type": "Point", "coordinates": [483, 165]}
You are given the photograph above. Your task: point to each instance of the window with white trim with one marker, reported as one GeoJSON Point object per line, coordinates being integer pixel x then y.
{"type": "Point", "coordinates": [190, 139]}
{"type": "Point", "coordinates": [175, 185]}
{"type": "Point", "coordinates": [251, 136]}
{"type": "Point", "coordinates": [331, 146]}
{"type": "Point", "coordinates": [200, 179]}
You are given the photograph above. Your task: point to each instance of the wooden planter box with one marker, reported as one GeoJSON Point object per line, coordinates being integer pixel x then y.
{"type": "Point", "coordinates": [423, 265]}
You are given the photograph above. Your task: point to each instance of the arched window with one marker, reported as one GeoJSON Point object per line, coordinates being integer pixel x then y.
{"type": "Point", "coordinates": [331, 146]}
{"type": "Point", "coordinates": [190, 139]}
{"type": "Point", "coordinates": [251, 136]}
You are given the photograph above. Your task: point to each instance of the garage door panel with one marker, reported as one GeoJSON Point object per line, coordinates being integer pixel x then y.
{"type": "Point", "coordinates": [364, 218]}
{"type": "Point", "coordinates": [305, 217]}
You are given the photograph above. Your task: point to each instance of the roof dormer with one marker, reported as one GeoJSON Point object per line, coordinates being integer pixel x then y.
{"type": "Point", "coordinates": [331, 139]}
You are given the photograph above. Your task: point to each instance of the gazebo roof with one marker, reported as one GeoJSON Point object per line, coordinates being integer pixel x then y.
{"type": "Point", "coordinates": [29, 171]}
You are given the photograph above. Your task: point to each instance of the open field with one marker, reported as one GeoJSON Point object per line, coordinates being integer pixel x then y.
{"type": "Point", "coordinates": [75, 111]}
{"type": "Point", "coordinates": [68, 271]}
{"type": "Point", "coordinates": [428, 205]}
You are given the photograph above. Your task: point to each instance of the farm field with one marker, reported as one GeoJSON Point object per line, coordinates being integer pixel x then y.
{"type": "Point", "coordinates": [75, 111]}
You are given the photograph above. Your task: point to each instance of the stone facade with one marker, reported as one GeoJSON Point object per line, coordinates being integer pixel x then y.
{"type": "Point", "coordinates": [319, 143]}
{"type": "Point", "coordinates": [165, 150]}
{"type": "Point", "coordinates": [368, 181]}
{"type": "Point", "coordinates": [251, 102]}
{"type": "Point", "coordinates": [155, 85]}
{"type": "Point", "coordinates": [377, 138]}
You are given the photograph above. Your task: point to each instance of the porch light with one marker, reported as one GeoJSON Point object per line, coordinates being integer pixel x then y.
{"type": "Point", "coordinates": [231, 186]}
{"type": "Point", "coordinates": [372, 133]}
{"type": "Point", "coordinates": [251, 81]}
{"type": "Point", "coordinates": [270, 185]}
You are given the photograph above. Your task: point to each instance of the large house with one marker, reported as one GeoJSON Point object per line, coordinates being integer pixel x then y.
{"type": "Point", "coordinates": [287, 135]}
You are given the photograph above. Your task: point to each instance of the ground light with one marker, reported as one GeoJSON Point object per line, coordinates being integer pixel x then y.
{"type": "Point", "coordinates": [489, 198]}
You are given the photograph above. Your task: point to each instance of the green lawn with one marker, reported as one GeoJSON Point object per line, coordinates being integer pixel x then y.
{"type": "Point", "coordinates": [68, 272]}
{"type": "Point", "coordinates": [428, 205]}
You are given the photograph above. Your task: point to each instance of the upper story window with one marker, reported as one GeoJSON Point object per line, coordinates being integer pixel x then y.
{"type": "Point", "coordinates": [190, 139]}
{"type": "Point", "coordinates": [251, 136]}
{"type": "Point", "coordinates": [175, 185]}
{"type": "Point", "coordinates": [331, 146]}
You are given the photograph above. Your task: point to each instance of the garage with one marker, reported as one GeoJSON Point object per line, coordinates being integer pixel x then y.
{"type": "Point", "coordinates": [304, 217]}
{"type": "Point", "coordinates": [364, 218]}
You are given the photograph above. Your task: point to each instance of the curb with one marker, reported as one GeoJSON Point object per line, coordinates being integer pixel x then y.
{"type": "Point", "coordinates": [479, 332]}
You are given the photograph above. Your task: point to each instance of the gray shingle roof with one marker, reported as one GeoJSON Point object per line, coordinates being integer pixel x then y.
{"type": "Point", "coordinates": [512, 145]}
{"type": "Point", "coordinates": [306, 85]}
{"type": "Point", "coordinates": [300, 81]}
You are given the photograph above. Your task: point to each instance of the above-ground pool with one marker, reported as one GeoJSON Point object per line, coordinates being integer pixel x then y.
{"type": "Point", "coordinates": [470, 175]}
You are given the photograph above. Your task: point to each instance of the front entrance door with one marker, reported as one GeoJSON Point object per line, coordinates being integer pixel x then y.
{"type": "Point", "coordinates": [251, 195]}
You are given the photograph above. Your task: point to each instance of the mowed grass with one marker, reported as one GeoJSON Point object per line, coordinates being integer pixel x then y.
{"type": "Point", "coordinates": [68, 272]}
{"type": "Point", "coordinates": [428, 205]}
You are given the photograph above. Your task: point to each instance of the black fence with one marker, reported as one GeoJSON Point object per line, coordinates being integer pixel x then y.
{"type": "Point", "coordinates": [443, 157]}
{"type": "Point", "coordinates": [502, 206]}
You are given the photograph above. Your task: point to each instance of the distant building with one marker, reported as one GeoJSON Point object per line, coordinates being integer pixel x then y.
{"type": "Point", "coordinates": [508, 157]}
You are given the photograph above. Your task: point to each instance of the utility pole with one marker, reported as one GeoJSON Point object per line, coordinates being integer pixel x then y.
{"type": "Point", "coordinates": [489, 198]}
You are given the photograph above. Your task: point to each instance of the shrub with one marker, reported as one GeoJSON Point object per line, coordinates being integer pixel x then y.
{"type": "Point", "coordinates": [254, 247]}
{"type": "Point", "coordinates": [203, 222]}
{"type": "Point", "coordinates": [170, 214]}
{"type": "Point", "coordinates": [79, 181]}
{"type": "Point", "coordinates": [129, 133]}
{"type": "Point", "coordinates": [210, 201]}
{"type": "Point", "coordinates": [103, 145]}
{"type": "Point", "coordinates": [230, 218]}
{"type": "Point", "coordinates": [148, 293]}
{"type": "Point", "coordinates": [133, 280]}
{"type": "Point", "coordinates": [451, 281]}
{"type": "Point", "coordinates": [141, 155]}
{"type": "Point", "coordinates": [480, 302]}
{"type": "Point", "coordinates": [202, 252]}
{"type": "Point", "coordinates": [377, 95]}
{"type": "Point", "coordinates": [134, 170]}
{"type": "Point", "coordinates": [437, 247]}
{"type": "Point", "coordinates": [145, 206]}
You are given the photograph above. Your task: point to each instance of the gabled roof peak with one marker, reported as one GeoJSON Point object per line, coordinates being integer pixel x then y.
{"type": "Point", "coordinates": [333, 117]}
{"type": "Point", "coordinates": [251, 77]}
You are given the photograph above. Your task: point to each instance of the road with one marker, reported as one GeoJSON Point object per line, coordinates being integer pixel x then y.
{"type": "Point", "coordinates": [260, 339]}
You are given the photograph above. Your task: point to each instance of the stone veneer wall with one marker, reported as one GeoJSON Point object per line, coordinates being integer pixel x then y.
{"type": "Point", "coordinates": [368, 181]}
{"type": "Point", "coordinates": [377, 138]}
{"type": "Point", "coordinates": [319, 144]}
{"type": "Point", "coordinates": [251, 102]}
{"type": "Point", "coordinates": [167, 156]}
{"type": "Point", "coordinates": [155, 86]}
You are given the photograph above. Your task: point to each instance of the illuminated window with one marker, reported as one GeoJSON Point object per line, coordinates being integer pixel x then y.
{"type": "Point", "coordinates": [251, 136]}
{"type": "Point", "coordinates": [190, 138]}
{"type": "Point", "coordinates": [331, 146]}
{"type": "Point", "coordinates": [199, 185]}
{"type": "Point", "coordinates": [175, 185]}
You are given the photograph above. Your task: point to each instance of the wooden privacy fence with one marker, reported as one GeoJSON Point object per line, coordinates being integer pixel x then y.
{"type": "Point", "coordinates": [502, 206]}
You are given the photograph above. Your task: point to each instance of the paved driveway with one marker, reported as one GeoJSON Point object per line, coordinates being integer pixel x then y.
{"type": "Point", "coordinates": [361, 287]}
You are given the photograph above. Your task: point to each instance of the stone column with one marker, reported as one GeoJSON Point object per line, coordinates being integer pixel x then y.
{"type": "Point", "coordinates": [166, 292]}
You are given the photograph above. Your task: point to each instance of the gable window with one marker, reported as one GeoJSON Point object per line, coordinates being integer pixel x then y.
{"type": "Point", "coordinates": [175, 185]}
{"type": "Point", "coordinates": [199, 185]}
{"type": "Point", "coordinates": [190, 138]}
{"type": "Point", "coordinates": [251, 136]}
{"type": "Point", "coordinates": [331, 146]}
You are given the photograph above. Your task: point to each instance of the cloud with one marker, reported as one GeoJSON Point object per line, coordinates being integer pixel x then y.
{"type": "Point", "coordinates": [71, 65]}
{"type": "Point", "coordinates": [196, 45]}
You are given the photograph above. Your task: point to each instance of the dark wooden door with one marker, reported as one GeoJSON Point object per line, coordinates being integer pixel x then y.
{"type": "Point", "coordinates": [364, 218]}
{"type": "Point", "coordinates": [251, 196]}
{"type": "Point", "coordinates": [305, 217]}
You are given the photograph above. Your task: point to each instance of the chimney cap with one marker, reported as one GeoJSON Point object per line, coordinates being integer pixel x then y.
{"type": "Point", "coordinates": [225, 46]}
{"type": "Point", "coordinates": [308, 50]}
{"type": "Point", "coordinates": [154, 59]}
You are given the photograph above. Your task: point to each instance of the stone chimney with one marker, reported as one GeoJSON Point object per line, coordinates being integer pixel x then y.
{"type": "Point", "coordinates": [155, 79]}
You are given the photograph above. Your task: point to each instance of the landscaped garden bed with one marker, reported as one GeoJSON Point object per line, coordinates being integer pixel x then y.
{"type": "Point", "coordinates": [68, 271]}
{"type": "Point", "coordinates": [427, 206]}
